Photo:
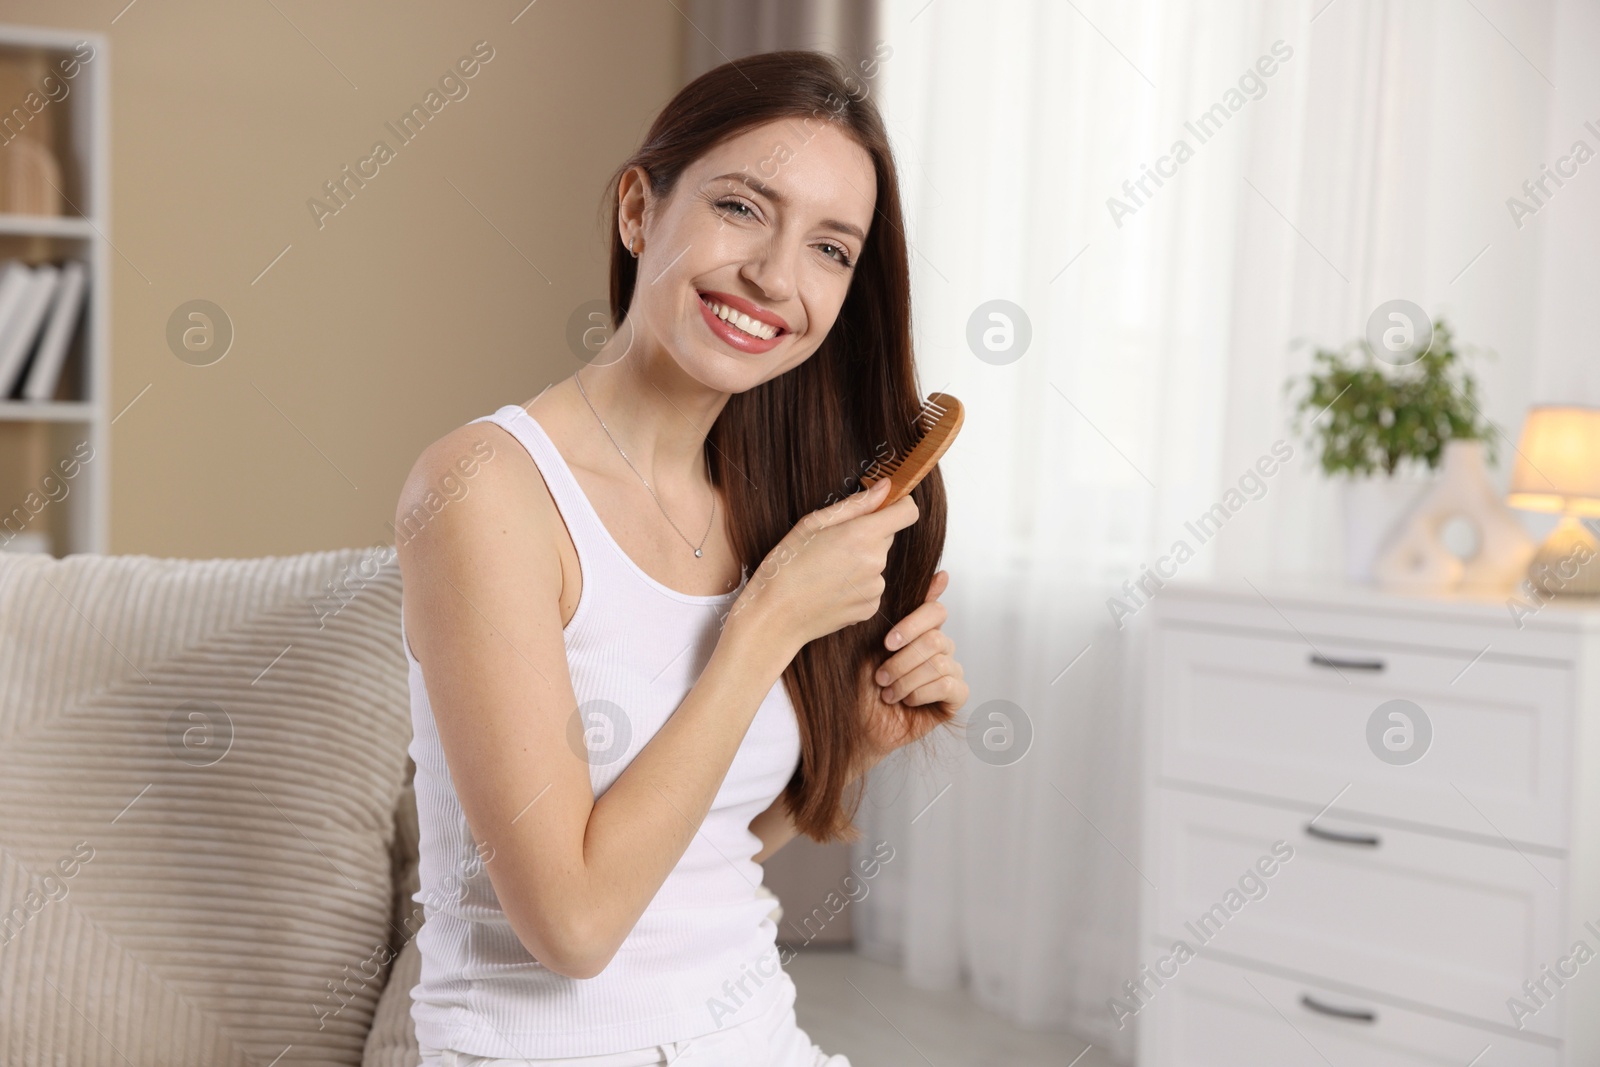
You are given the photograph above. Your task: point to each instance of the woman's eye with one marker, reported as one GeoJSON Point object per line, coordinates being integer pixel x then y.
{"type": "Point", "coordinates": [843, 257]}
{"type": "Point", "coordinates": [742, 210]}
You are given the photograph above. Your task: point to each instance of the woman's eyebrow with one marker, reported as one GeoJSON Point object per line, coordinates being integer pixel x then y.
{"type": "Point", "coordinates": [777, 198]}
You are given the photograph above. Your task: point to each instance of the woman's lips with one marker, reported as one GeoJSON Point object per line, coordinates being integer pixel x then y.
{"type": "Point", "coordinates": [739, 303]}
{"type": "Point", "coordinates": [736, 337]}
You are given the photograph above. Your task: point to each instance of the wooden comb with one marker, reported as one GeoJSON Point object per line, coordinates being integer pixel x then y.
{"type": "Point", "coordinates": [938, 422]}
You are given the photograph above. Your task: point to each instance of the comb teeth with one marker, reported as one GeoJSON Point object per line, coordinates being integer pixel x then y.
{"type": "Point", "coordinates": [927, 418]}
{"type": "Point", "coordinates": [936, 425]}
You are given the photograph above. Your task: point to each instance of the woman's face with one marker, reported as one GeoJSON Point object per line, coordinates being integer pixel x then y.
{"type": "Point", "coordinates": [743, 270]}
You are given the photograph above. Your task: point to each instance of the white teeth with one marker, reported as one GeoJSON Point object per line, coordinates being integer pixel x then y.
{"type": "Point", "coordinates": [743, 322]}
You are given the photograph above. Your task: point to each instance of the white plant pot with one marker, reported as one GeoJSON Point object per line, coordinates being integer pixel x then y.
{"type": "Point", "coordinates": [1373, 510]}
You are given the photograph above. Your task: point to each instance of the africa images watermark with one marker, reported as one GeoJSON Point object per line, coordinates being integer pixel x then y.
{"type": "Point", "coordinates": [53, 489]}
{"type": "Point", "coordinates": [50, 90]}
{"type": "Point", "coordinates": [52, 889]}
{"type": "Point", "coordinates": [1138, 592]}
{"type": "Point", "coordinates": [1206, 126]}
{"type": "Point", "coordinates": [1538, 188]}
{"type": "Point", "coordinates": [851, 890]}
{"type": "Point", "coordinates": [453, 87]}
{"type": "Point", "coordinates": [1251, 887]}
{"type": "Point", "coordinates": [1541, 992]}
{"type": "Point", "coordinates": [1532, 596]}
{"type": "Point", "coordinates": [452, 890]}
{"type": "Point", "coordinates": [340, 591]}
{"type": "Point", "coordinates": [883, 454]}
{"type": "Point", "coordinates": [450, 489]}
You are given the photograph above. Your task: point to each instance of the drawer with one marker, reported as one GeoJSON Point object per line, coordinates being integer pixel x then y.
{"type": "Point", "coordinates": [1438, 922]}
{"type": "Point", "coordinates": [1279, 718]}
{"type": "Point", "coordinates": [1217, 1015]}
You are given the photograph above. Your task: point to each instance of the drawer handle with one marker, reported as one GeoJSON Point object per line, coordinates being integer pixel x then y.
{"type": "Point", "coordinates": [1368, 840]}
{"type": "Point", "coordinates": [1355, 1015]}
{"type": "Point", "coordinates": [1333, 663]}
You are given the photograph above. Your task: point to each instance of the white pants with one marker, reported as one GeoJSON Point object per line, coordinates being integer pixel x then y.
{"type": "Point", "coordinates": [772, 1039]}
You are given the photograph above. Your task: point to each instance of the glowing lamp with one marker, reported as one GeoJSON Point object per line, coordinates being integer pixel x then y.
{"type": "Point", "coordinates": [1558, 470]}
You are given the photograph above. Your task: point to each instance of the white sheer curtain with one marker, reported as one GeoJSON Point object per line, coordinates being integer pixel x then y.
{"type": "Point", "coordinates": [1151, 381]}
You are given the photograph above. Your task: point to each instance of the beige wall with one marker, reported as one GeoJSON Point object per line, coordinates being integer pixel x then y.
{"type": "Point", "coordinates": [407, 313]}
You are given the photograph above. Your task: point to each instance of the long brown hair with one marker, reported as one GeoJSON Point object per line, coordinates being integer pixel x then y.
{"type": "Point", "coordinates": [800, 441]}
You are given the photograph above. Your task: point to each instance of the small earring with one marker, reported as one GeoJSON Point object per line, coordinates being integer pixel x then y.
{"type": "Point", "coordinates": [635, 251]}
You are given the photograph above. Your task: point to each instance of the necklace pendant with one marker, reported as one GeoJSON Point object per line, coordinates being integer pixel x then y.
{"type": "Point", "coordinates": [697, 552]}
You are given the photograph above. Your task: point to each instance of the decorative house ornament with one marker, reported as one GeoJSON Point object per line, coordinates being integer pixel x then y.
{"type": "Point", "coordinates": [1458, 536]}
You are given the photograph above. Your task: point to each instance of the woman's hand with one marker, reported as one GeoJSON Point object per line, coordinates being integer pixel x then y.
{"type": "Point", "coordinates": [919, 686]}
{"type": "Point", "coordinates": [827, 572]}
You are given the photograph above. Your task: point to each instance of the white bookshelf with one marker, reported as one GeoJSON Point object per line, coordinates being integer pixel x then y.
{"type": "Point", "coordinates": [36, 437]}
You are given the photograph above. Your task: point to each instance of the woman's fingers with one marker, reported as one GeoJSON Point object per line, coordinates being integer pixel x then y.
{"type": "Point", "coordinates": [923, 670]}
{"type": "Point", "coordinates": [929, 670]}
{"type": "Point", "coordinates": [946, 689]}
{"type": "Point", "coordinates": [929, 615]}
{"type": "Point", "coordinates": [927, 644]}
{"type": "Point", "coordinates": [921, 674]}
{"type": "Point", "coordinates": [923, 617]}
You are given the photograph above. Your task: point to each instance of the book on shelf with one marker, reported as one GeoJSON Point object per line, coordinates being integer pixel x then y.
{"type": "Point", "coordinates": [15, 278]}
{"type": "Point", "coordinates": [22, 327]}
{"type": "Point", "coordinates": [39, 311]}
{"type": "Point", "coordinates": [45, 370]}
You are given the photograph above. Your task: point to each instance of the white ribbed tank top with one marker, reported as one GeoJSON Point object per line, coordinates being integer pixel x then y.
{"type": "Point", "coordinates": [705, 945]}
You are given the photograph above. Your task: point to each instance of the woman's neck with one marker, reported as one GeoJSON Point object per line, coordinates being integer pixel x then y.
{"type": "Point", "coordinates": [657, 414]}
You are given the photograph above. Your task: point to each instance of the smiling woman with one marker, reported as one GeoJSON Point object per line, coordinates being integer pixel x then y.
{"type": "Point", "coordinates": [613, 726]}
{"type": "Point", "coordinates": [841, 384]}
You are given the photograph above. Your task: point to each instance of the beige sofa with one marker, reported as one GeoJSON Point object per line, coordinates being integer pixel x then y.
{"type": "Point", "coordinates": [207, 831]}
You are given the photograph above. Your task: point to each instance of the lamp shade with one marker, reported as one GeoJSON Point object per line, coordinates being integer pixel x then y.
{"type": "Point", "coordinates": [1558, 461]}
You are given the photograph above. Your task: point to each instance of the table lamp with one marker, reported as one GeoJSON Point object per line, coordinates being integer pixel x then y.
{"type": "Point", "coordinates": [1558, 470]}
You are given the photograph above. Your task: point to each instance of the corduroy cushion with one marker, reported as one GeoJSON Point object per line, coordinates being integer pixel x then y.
{"type": "Point", "coordinates": [392, 1042]}
{"type": "Point", "coordinates": [199, 767]}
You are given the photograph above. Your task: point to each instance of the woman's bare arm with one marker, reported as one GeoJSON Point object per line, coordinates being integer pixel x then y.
{"type": "Point", "coordinates": [482, 590]}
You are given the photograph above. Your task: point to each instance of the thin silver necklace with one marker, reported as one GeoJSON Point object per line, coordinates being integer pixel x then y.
{"type": "Point", "coordinates": [642, 478]}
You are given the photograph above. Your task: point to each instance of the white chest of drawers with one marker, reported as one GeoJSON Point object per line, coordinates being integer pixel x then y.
{"type": "Point", "coordinates": [1371, 831]}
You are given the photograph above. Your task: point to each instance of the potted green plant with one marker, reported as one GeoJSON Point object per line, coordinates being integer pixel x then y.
{"type": "Point", "coordinates": [1382, 429]}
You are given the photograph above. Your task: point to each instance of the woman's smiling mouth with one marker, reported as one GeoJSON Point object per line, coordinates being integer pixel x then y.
{"type": "Point", "coordinates": [741, 323]}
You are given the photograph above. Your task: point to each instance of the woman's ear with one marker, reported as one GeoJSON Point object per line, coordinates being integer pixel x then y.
{"type": "Point", "coordinates": [633, 207]}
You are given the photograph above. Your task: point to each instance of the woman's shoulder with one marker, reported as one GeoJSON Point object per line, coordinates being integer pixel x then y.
{"type": "Point", "coordinates": [475, 521]}
{"type": "Point", "coordinates": [475, 477]}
